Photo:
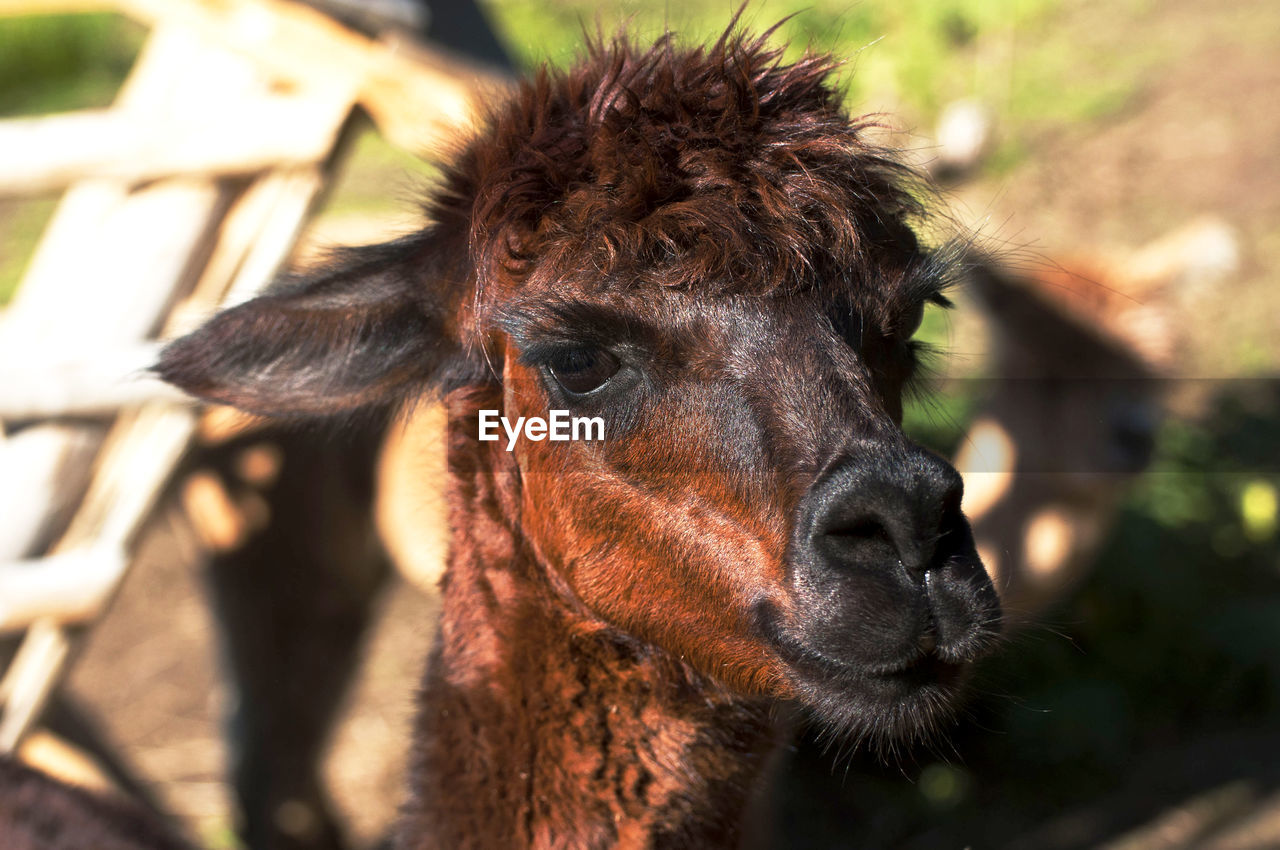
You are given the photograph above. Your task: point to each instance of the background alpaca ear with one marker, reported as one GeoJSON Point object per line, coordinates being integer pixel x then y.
{"type": "Point", "coordinates": [371, 328]}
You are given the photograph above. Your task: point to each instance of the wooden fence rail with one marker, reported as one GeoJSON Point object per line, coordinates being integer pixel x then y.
{"type": "Point", "coordinates": [186, 195]}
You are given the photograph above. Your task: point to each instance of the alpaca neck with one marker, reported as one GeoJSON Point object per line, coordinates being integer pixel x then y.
{"type": "Point", "coordinates": [541, 725]}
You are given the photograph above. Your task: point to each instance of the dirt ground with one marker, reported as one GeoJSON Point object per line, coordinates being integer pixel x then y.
{"type": "Point", "coordinates": [1199, 137]}
{"type": "Point", "coordinates": [150, 675]}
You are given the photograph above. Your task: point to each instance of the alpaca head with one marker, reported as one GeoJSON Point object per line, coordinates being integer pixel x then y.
{"type": "Point", "coordinates": [701, 249]}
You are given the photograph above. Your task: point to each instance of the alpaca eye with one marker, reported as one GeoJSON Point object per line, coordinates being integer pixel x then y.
{"type": "Point", "coordinates": [583, 370]}
{"type": "Point", "coordinates": [848, 324]}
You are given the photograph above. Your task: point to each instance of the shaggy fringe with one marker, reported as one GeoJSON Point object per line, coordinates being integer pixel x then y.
{"type": "Point", "coordinates": [717, 168]}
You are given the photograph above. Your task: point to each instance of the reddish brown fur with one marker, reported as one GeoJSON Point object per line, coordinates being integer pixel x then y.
{"type": "Point", "coordinates": [581, 741]}
{"type": "Point", "coordinates": [717, 167]}
{"type": "Point", "coordinates": [623, 620]}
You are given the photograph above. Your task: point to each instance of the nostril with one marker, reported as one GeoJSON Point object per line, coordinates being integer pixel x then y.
{"type": "Point", "coordinates": [864, 529]}
{"type": "Point", "coordinates": [894, 506]}
{"type": "Point", "coordinates": [856, 535]}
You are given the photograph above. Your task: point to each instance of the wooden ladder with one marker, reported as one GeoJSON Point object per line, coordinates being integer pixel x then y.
{"type": "Point", "coordinates": [187, 195]}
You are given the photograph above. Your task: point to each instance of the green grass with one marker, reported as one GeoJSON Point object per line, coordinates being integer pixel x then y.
{"type": "Point", "coordinates": [54, 63]}
{"type": "Point", "coordinates": [936, 414]}
{"type": "Point", "coordinates": [21, 223]}
{"type": "Point", "coordinates": [376, 176]}
{"type": "Point", "coordinates": [912, 55]}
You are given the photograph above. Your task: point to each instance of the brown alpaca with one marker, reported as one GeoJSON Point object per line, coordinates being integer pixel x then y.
{"type": "Point", "coordinates": [1081, 351]}
{"type": "Point", "coordinates": [701, 249]}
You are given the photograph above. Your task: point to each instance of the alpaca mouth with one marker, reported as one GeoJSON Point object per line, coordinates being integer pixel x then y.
{"type": "Point", "coordinates": [895, 700]}
{"type": "Point", "coordinates": [925, 668]}
{"type": "Point", "coordinates": [883, 707]}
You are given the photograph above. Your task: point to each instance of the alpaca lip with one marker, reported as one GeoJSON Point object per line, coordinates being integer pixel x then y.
{"type": "Point", "coordinates": [883, 705]}
{"type": "Point", "coordinates": [926, 669]}
{"type": "Point", "coordinates": [930, 668]}
{"type": "Point", "coordinates": [815, 667]}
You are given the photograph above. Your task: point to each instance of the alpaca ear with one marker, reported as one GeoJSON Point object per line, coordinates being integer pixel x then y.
{"type": "Point", "coordinates": [369, 329]}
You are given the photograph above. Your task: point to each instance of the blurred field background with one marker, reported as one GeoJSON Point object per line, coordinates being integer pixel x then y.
{"type": "Point", "coordinates": [1145, 711]}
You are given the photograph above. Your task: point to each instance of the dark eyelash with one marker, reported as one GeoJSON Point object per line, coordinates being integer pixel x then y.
{"type": "Point", "coordinates": [923, 368]}
{"type": "Point", "coordinates": [935, 271]}
{"type": "Point", "coordinates": [544, 352]}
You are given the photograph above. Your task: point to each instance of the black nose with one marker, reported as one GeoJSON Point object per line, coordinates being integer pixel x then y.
{"type": "Point", "coordinates": [883, 564]}
{"type": "Point", "coordinates": [885, 503]}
